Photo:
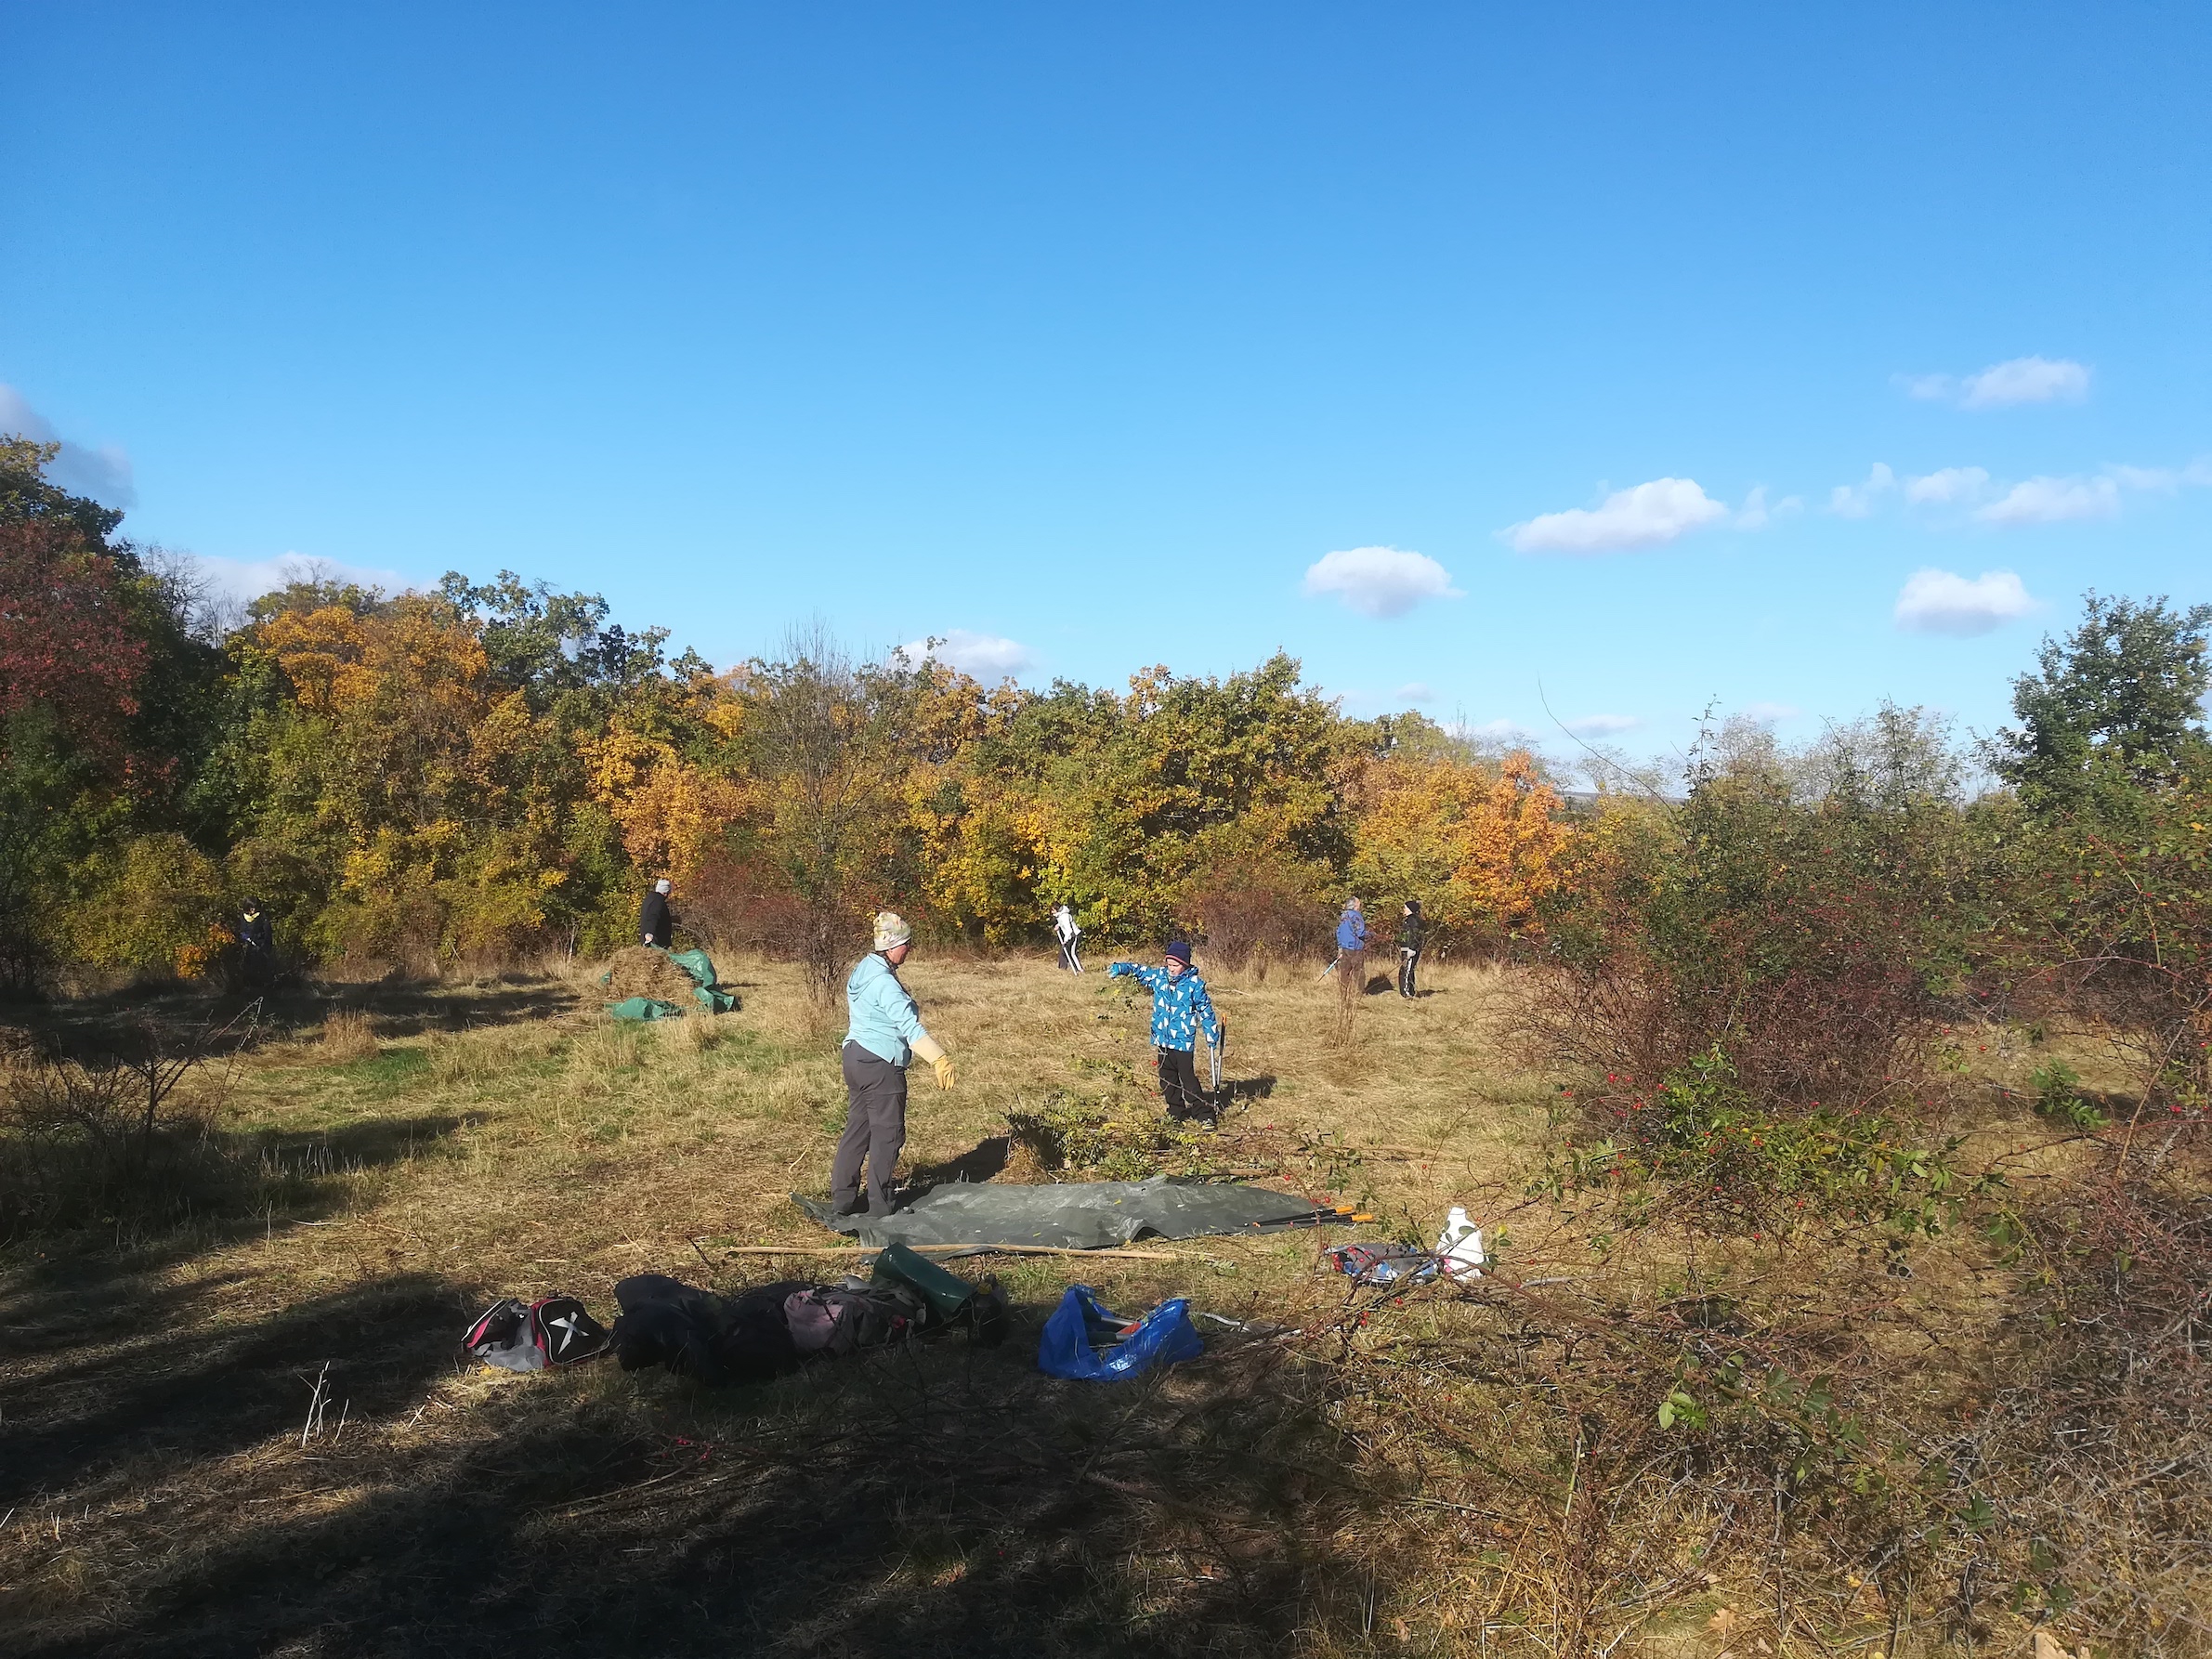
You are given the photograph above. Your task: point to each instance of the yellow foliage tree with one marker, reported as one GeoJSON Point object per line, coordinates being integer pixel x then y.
{"type": "Point", "coordinates": [420, 779]}
{"type": "Point", "coordinates": [155, 905]}
{"type": "Point", "coordinates": [672, 812]}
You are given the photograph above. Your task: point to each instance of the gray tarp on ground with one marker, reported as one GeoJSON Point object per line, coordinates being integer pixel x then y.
{"type": "Point", "coordinates": [1074, 1215]}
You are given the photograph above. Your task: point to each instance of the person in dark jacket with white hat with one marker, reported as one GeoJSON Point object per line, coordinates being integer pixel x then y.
{"type": "Point", "coordinates": [1410, 929]}
{"type": "Point", "coordinates": [655, 925]}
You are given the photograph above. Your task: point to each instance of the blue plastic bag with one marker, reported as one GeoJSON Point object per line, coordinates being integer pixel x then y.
{"type": "Point", "coordinates": [1080, 1326]}
{"type": "Point", "coordinates": [1384, 1263]}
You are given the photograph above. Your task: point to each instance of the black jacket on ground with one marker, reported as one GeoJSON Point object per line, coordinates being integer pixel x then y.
{"type": "Point", "coordinates": [718, 1339]}
{"type": "Point", "coordinates": [655, 922]}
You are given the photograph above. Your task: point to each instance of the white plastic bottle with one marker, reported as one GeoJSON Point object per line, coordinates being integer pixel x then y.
{"type": "Point", "coordinates": [1460, 1246]}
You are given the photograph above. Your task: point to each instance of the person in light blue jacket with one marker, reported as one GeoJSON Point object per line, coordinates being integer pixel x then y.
{"type": "Point", "coordinates": [883, 1034]}
{"type": "Point", "coordinates": [1180, 1009]}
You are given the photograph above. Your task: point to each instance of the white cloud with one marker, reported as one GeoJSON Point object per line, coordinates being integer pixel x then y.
{"type": "Point", "coordinates": [1603, 726]}
{"type": "Point", "coordinates": [1497, 731]}
{"type": "Point", "coordinates": [241, 579]}
{"type": "Point", "coordinates": [1414, 691]}
{"type": "Point", "coordinates": [1648, 516]}
{"type": "Point", "coordinates": [1850, 500]}
{"type": "Point", "coordinates": [1944, 602]}
{"type": "Point", "coordinates": [1767, 713]}
{"type": "Point", "coordinates": [104, 473]}
{"type": "Point", "coordinates": [2025, 380]}
{"type": "Point", "coordinates": [2045, 499]}
{"type": "Point", "coordinates": [2002, 386]}
{"type": "Point", "coordinates": [2053, 500]}
{"type": "Point", "coordinates": [987, 656]}
{"type": "Point", "coordinates": [2165, 479]}
{"type": "Point", "coordinates": [1380, 581]}
{"type": "Point", "coordinates": [1756, 514]}
{"type": "Point", "coordinates": [1951, 484]}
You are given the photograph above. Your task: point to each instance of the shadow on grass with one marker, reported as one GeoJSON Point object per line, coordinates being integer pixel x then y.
{"type": "Point", "coordinates": [112, 1129]}
{"type": "Point", "coordinates": [104, 1280]}
{"type": "Point", "coordinates": [206, 1391]}
{"type": "Point", "coordinates": [1258, 1087]}
{"type": "Point", "coordinates": [986, 1160]}
{"type": "Point", "coordinates": [944, 1500]}
{"type": "Point", "coordinates": [122, 1020]}
{"type": "Point", "coordinates": [412, 1008]}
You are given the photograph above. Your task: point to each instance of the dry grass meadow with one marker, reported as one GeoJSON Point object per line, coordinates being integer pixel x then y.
{"type": "Point", "coordinates": [1345, 1476]}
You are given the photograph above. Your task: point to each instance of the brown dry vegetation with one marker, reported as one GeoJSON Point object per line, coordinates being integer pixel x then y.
{"type": "Point", "coordinates": [641, 970]}
{"type": "Point", "coordinates": [1446, 1474]}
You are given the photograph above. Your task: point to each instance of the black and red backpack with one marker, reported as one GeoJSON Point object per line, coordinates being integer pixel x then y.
{"type": "Point", "coordinates": [553, 1330]}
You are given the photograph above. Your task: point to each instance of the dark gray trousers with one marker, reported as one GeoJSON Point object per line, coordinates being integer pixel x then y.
{"type": "Point", "coordinates": [875, 1130]}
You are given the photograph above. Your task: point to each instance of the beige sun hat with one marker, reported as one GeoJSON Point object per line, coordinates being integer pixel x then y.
{"type": "Point", "coordinates": [891, 930]}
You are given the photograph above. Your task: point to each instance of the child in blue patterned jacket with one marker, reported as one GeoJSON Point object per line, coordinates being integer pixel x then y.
{"type": "Point", "coordinates": [1180, 1009]}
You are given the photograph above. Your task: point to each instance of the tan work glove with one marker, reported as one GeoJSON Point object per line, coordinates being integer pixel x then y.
{"type": "Point", "coordinates": [929, 1049]}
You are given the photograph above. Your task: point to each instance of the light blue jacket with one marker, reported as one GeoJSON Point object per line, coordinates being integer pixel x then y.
{"type": "Point", "coordinates": [1179, 1005]}
{"type": "Point", "coordinates": [881, 1015]}
{"type": "Point", "coordinates": [1351, 930]}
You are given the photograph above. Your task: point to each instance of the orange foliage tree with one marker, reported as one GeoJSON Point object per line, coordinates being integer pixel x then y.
{"type": "Point", "coordinates": [1480, 845]}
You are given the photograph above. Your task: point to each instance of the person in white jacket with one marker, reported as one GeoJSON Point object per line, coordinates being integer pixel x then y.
{"type": "Point", "coordinates": [1065, 930]}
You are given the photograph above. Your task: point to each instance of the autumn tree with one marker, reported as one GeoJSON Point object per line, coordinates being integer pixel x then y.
{"type": "Point", "coordinates": [1129, 807]}
{"type": "Point", "coordinates": [100, 688]}
{"type": "Point", "coordinates": [826, 742]}
{"type": "Point", "coordinates": [1477, 841]}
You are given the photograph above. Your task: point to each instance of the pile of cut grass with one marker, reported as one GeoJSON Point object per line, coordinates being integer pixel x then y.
{"type": "Point", "coordinates": [643, 970]}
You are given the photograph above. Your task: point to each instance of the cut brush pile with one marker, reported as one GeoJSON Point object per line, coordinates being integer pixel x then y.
{"type": "Point", "coordinates": [643, 970]}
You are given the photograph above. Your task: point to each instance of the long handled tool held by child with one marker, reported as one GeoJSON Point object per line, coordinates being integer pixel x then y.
{"type": "Point", "coordinates": [1214, 1053]}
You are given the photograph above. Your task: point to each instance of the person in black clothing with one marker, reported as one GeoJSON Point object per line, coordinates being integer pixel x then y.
{"type": "Point", "coordinates": [655, 925]}
{"type": "Point", "coordinates": [1410, 933]}
{"type": "Point", "coordinates": [257, 944]}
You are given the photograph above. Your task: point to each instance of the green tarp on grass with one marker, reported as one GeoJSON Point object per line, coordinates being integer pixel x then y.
{"type": "Point", "coordinates": [643, 1008]}
{"type": "Point", "coordinates": [704, 987]}
{"type": "Point", "coordinates": [701, 969]}
{"type": "Point", "coordinates": [1076, 1215]}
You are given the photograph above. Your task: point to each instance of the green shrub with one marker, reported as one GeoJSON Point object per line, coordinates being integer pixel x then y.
{"type": "Point", "coordinates": [153, 904]}
{"type": "Point", "coordinates": [2057, 1094]}
{"type": "Point", "coordinates": [1066, 1132]}
{"type": "Point", "coordinates": [1704, 1150]}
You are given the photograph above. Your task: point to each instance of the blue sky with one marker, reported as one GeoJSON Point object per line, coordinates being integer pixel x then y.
{"type": "Point", "coordinates": [1098, 332]}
